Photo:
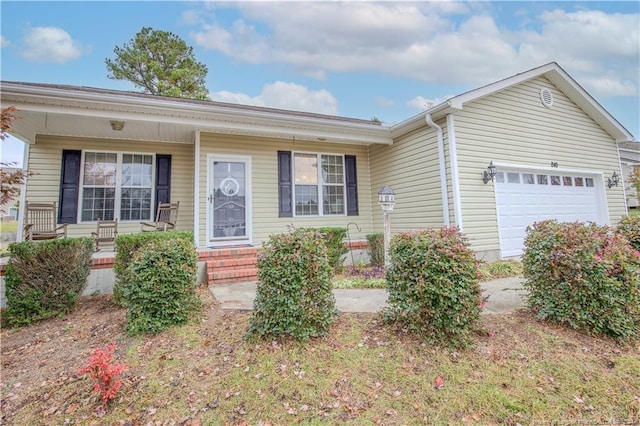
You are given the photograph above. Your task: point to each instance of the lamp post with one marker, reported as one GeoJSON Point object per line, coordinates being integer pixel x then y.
{"type": "Point", "coordinates": [386, 199]}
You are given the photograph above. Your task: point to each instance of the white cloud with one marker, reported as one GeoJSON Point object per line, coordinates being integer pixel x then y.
{"type": "Point", "coordinates": [50, 44]}
{"type": "Point", "coordinates": [422, 104]}
{"type": "Point", "coordinates": [438, 42]}
{"type": "Point", "coordinates": [4, 42]}
{"type": "Point", "coordinates": [284, 95]}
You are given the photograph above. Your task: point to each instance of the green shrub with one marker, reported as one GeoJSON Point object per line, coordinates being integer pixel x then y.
{"type": "Point", "coordinates": [45, 279]}
{"type": "Point", "coordinates": [376, 249]}
{"type": "Point", "coordinates": [584, 276]}
{"type": "Point", "coordinates": [160, 286]}
{"type": "Point", "coordinates": [127, 245]}
{"type": "Point", "coordinates": [629, 226]}
{"type": "Point", "coordinates": [336, 247]}
{"type": "Point", "coordinates": [294, 296]}
{"type": "Point", "coordinates": [433, 285]}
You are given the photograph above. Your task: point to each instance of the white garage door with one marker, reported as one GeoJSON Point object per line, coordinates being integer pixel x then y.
{"type": "Point", "coordinates": [525, 197]}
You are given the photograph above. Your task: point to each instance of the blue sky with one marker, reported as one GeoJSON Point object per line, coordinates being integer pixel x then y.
{"type": "Point", "coordinates": [357, 59]}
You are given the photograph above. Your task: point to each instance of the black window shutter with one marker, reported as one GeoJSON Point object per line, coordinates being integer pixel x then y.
{"type": "Point", "coordinates": [163, 180]}
{"type": "Point", "coordinates": [69, 187]}
{"type": "Point", "coordinates": [352, 184]}
{"type": "Point", "coordinates": [284, 184]}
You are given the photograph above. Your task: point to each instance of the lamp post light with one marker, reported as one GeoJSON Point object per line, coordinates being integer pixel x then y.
{"type": "Point", "coordinates": [386, 199]}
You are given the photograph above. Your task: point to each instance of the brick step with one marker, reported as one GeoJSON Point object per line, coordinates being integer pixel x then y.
{"type": "Point", "coordinates": [232, 253]}
{"type": "Point", "coordinates": [247, 261]}
{"type": "Point", "coordinates": [230, 276]}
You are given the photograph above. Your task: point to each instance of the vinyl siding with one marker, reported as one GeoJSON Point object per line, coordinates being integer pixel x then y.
{"type": "Point", "coordinates": [513, 126]}
{"type": "Point", "coordinates": [45, 157]}
{"type": "Point", "coordinates": [264, 173]}
{"type": "Point", "coordinates": [410, 167]}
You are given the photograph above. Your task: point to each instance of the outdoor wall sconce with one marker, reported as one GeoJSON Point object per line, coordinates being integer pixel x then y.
{"type": "Point", "coordinates": [116, 125]}
{"type": "Point", "coordinates": [489, 174]}
{"type": "Point", "coordinates": [614, 180]}
{"type": "Point", "coordinates": [386, 199]}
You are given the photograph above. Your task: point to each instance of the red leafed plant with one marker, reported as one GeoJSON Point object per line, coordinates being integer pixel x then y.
{"type": "Point", "coordinates": [105, 372]}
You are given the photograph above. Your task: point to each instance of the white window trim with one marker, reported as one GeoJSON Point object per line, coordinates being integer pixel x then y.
{"type": "Point", "coordinates": [118, 187]}
{"type": "Point", "coordinates": [320, 184]}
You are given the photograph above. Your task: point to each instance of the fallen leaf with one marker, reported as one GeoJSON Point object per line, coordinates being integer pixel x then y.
{"type": "Point", "coordinates": [438, 383]}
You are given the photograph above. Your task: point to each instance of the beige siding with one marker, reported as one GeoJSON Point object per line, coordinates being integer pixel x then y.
{"type": "Point", "coordinates": [45, 158]}
{"type": "Point", "coordinates": [410, 167]}
{"type": "Point", "coordinates": [264, 162]}
{"type": "Point", "coordinates": [513, 126]}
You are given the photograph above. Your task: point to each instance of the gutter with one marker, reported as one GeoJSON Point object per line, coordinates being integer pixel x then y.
{"type": "Point", "coordinates": [443, 168]}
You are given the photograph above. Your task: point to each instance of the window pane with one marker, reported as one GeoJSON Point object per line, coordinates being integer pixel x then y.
{"type": "Point", "coordinates": [306, 168]}
{"type": "Point", "coordinates": [98, 203]}
{"type": "Point", "coordinates": [333, 200]}
{"type": "Point", "coordinates": [332, 169]}
{"type": "Point", "coordinates": [135, 204]}
{"type": "Point", "coordinates": [543, 180]}
{"type": "Point", "coordinates": [100, 169]}
{"type": "Point", "coordinates": [528, 178]}
{"type": "Point", "coordinates": [137, 174]}
{"type": "Point", "coordinates": [306, 200]}
{"type": "Point", "coordinates": [567, 180]}
{"type": "Point", "coordinates": [513, 177]}
{"type": "Point", "coordinates": [588, 182]}
{"type": "Point", "coordinates": [579, 181]}
{"type": "Point", "coordinates": [555, 180]}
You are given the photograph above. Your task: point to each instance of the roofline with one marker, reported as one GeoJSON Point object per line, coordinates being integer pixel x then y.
{"type": "Point", "coordinates": [554, 72]}
{"type": "Point", "coordinates": [370, 132]}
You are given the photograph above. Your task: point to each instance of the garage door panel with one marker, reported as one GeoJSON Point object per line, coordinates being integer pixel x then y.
{"type": "Point", "coordinates": [521, 204]}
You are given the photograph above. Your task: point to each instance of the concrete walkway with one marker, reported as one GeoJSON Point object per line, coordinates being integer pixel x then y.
{"type": "Point", "coordinates": [504, 295]}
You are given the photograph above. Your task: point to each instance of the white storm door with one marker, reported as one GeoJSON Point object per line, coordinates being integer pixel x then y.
{"type": "Point", "coordinates": [229, 200]}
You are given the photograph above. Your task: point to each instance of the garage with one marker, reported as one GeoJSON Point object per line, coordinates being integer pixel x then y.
{"type": "Point", "coordinates": [527, 196]}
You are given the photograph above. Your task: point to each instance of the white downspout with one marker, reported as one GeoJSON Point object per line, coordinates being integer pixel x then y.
{"type": "Point", "coordinates": [455, 177]}
{"type": "Point", "coordinates": [443, 169]}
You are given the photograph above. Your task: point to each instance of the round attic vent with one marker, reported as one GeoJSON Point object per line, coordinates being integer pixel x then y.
{"type": "Point", "coordinates": [546, 97]}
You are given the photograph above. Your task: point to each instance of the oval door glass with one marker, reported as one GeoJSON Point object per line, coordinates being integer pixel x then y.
{"type": "Point", "coordinates": [229, 199]}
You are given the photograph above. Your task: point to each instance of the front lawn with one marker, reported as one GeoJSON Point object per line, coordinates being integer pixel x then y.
{"type": "Point", "coordinates": [519, 371]}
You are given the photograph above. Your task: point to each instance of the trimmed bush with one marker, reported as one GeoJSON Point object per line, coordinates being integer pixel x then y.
{"type": "Point", "coordinates": [45, 279]}
{"type": "Point", "coordinates": [629, 226]}
{"type": "Point", "coordinates": [294, 297]}
{"type": "Point", "coordinates": [375, 250]}
{"type": "Point", "coordinates": [127, 245]}
{"type": "Point", "coordinates": [160, 286]}
{"type": "Point", "coordinates": [584, 276]}
{"type": "Point", "coordinates": [433, 285]}
{"type": "Point", "coordinates": [336, 248]}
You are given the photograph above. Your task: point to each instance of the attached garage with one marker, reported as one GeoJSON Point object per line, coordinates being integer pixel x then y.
{"type": "Point", "coordinates": [525, 196]}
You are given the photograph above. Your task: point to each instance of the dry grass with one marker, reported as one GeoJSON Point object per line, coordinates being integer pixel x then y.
{"type": "Point", "coordinates": [520, 371]}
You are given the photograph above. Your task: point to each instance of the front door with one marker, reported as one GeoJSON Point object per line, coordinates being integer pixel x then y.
{"type": "Point", "coordinates": [229, 200]}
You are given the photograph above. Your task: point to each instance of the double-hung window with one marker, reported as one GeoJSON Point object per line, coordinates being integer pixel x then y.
{"type": "Point", "coordinates": [319, 180]}
{"type": "Point", "coordinates": [116, 186]}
